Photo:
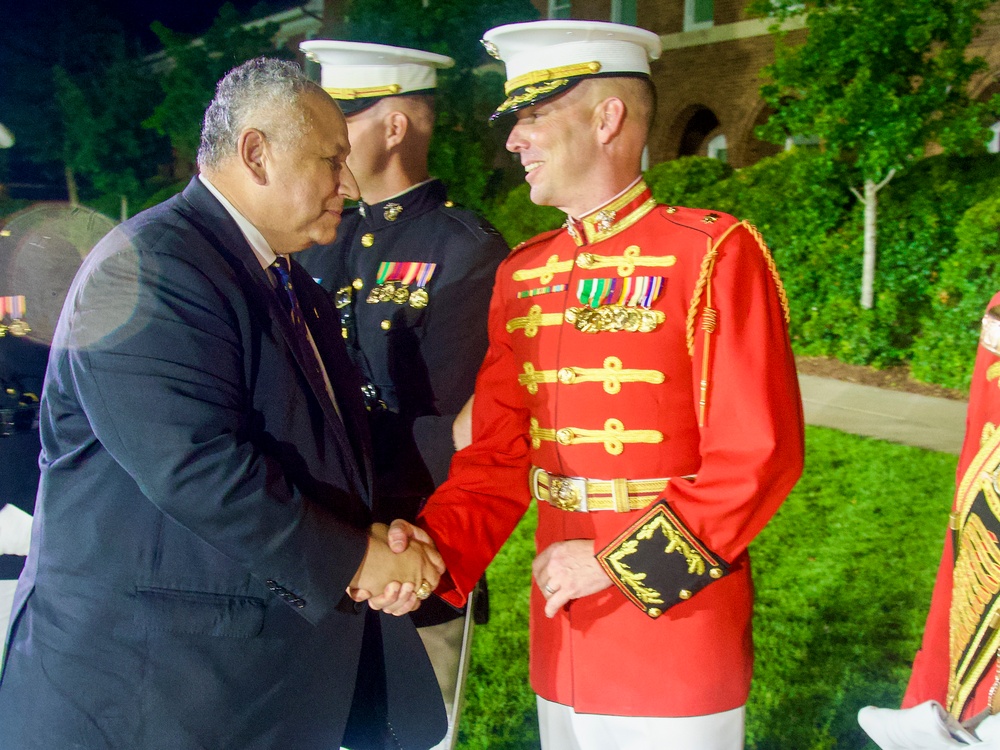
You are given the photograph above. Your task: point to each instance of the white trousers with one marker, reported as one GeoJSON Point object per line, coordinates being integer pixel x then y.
{"type": "Point", "coordinates": [562, 728]}
{"type": "Point", "coordinates": [6, 604]}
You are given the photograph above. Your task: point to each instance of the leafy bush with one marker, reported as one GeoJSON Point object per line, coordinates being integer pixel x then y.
{"type": "Point", "coordinates": [942, 353]}
{"type": "Point", "coordinates": [518, 219]}
{"type": "Point", "coordinates": [672, 181]}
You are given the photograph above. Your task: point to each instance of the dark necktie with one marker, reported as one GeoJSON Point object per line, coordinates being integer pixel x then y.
{"type": "Point", "coordinates": [281, 271]}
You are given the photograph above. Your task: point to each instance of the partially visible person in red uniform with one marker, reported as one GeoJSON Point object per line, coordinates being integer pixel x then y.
{"type": "Point", "coordinates": [640, 386]}
{"type": "Point", "coordinates": [955, 678]}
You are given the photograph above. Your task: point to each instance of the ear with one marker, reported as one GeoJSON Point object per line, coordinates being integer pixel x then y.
{"type": "Point", "coordinates": [396, 126]}
{"type": "Point", "coordinates": [251, 148]}
{"type": "Point", "coordinates": [610, 116]}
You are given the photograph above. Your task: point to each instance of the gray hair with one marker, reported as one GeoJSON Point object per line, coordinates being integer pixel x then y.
{"type": "Point", "coordinates": [263, 93]}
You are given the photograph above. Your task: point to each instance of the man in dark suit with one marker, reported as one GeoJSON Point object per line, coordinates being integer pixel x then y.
{"type": "Point", "coordinates": [411, 274]}
{"type": "Point", "coordinates": [205, 501]}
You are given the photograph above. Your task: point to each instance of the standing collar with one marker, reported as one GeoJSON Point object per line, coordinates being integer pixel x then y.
{"type": "Point", "coordinates": [409, 204]}
{"type": "Point", "coordinates": [261, 248]}
{"type": "Point", "coordinates": [615, 216]}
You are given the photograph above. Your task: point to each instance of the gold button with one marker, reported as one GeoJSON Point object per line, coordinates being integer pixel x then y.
{"type": "Point", "coordinates": [684, 594]}
{"type": "Point", "coordinates": [566, 375]}
{"type": "Point", "coordinates": [358, 284]}
{"type": "Point", "coordinates": [386, 325]}
{"type": "Point", "coordinates": [585, 260]}
{"type": "Point", "coordinates": [715, 573]}
{"type": "Point", "coordinates": [654, 612]}
{"type": "Point", "coordinates": [448, 204]}
{"type": "Point", "coordinates": [368, 239]}
{"type": "Point", "coordinates": [343, 332]}
{"type": "Point", "coordinates": [564, 436]}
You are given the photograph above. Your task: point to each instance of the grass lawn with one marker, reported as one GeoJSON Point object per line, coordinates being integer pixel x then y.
{"type": "Point", "coordinates": [844, 573]}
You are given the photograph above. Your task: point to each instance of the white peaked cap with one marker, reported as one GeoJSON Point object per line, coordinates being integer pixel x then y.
{"type": "Point", "coordinates": [357, 74]}
{"type": "Point", "coordinates": [544, 58]}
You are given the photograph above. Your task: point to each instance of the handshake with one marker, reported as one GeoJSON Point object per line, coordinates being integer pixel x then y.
{"type": "Point", "coordinates": [400, 569]}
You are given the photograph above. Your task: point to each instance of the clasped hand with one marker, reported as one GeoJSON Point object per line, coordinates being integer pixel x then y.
{"type": "Point", "coordinates": [400, 573]}
{"type": "Point", "coordinates": [563, 571]}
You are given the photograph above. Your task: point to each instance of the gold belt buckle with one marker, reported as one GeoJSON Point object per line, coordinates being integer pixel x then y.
{"type": "Point", "coordinates": [568, 493]}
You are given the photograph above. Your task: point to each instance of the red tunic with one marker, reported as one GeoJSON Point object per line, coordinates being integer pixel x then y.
{"type": "Point", "coordinates": [625, 404]}
{"type": "Point", "coordinates": [933, 664]}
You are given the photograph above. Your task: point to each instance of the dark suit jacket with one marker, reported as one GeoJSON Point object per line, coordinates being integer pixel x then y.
{"type": "Point", "coordinates": [200, 513]}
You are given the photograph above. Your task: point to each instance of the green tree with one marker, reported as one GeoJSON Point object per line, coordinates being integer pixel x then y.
{"type": "Point", "coordinates": [193, 67]}
{"type": "Point", "coordinates": [466, 153]}
{"type": "Point", "coordinates": [68, 111]}
{"type": "Point", "coordinates": [103, 141]}
{"type": "Point", "coordinates": [877, 81]}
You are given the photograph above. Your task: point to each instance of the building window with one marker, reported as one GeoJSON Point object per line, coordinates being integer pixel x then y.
{"type": "Point", "coordinates": [798, 141]}
{"type": "Point", "coordinates": [623, 11]}
{"type": "Point", "coordinates": [717, 149]}
{"type": "Point", "coordinates": [560, 8]}
{"type": "Point", "coordinates": [698, 14]}
{"type": "Point", "coordinates": [993, 144]}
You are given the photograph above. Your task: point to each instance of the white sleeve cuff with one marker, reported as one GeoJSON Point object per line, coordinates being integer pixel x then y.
{"type": "Point", "coordinates": [15, 530]}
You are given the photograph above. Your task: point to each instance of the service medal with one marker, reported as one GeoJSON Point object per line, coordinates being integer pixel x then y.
{"type": "Point", "coordinates": [375, 295]}
{"type": "Point", "coordinates": [402, 294]}
{"type": "Point", "coordinates": [419, 298]}
{"type": "Point", "coordinates": [387, 292]}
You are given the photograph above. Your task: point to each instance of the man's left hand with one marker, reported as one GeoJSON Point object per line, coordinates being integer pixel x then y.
{"type": "Point", "coordinates": [568, 570]}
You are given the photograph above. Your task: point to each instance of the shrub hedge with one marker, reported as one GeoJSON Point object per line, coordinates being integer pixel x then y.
{"type": "Point", "coordinates": [938, 250]}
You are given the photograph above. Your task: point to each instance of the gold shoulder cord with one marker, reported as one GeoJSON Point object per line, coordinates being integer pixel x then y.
{"type": "Point", "coordinates": [710, 316]}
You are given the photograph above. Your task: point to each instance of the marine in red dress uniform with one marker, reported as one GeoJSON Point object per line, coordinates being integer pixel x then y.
{"type": "Point", "coordinates": [957, 662]}
{"type": "Point", "coordinates": [600, 336]}
{"type": "Point", "coordinates": [640, 387]}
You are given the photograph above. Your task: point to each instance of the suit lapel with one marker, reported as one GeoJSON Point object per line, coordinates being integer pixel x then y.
{"type": "Point", "coordinates": [215, 223]}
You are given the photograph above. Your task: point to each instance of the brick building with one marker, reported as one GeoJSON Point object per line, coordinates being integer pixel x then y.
{"type": "Point", "coordinates": [708, 77]}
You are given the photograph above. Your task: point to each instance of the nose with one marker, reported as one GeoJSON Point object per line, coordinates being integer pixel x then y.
{"type": "Point", "coordinates": [348, 185]}
{"type": "Point", "coordinates": [516, 142]}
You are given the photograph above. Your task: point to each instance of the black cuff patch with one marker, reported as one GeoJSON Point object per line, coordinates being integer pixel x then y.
{"type": "Point", "coordinates": [652, 576]}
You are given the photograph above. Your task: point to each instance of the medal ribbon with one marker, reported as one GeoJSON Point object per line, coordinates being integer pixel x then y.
{"type": "Point", "coordinates": [637, 291]}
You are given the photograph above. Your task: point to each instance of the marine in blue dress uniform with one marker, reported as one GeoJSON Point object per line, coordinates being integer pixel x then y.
{"type": "Point", "coordinates": [411, 275]}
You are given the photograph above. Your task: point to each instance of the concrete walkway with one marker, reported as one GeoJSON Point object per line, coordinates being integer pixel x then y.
{"type": "Point", "coordinates": [937, 424]}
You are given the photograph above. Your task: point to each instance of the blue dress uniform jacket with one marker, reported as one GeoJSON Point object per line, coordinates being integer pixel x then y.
{"type": "Point", "coordinates": [418, 350]}
{"type": "Point", "coordinates": [202, 508]}
{"type": "Point", "coordinates": [22, 367]}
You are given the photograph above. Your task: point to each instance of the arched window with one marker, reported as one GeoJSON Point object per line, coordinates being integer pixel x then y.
{"type": "Point", "coordinates": [993, 145]}
{"type": "Point", "coordinates": [717, 148]}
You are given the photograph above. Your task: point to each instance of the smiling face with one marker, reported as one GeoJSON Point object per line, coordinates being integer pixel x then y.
{"type": "Point", "coordinates": [558, 146]}
{"type": "Point", "coordinates": [307, 179]}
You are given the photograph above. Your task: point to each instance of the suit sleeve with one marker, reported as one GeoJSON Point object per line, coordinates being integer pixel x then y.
{"type": "Point", "coordinates": [454, 343]}
{"type": "Point", "coordinates": [751, 440]}
{"type": "Point", "coordinates": [157, 362]}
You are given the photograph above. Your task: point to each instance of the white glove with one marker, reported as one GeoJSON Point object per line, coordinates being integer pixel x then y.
{"type": "Point", "coordinates": [924, 727]}
{"type": "Point", "coordinates": [15, 530]}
